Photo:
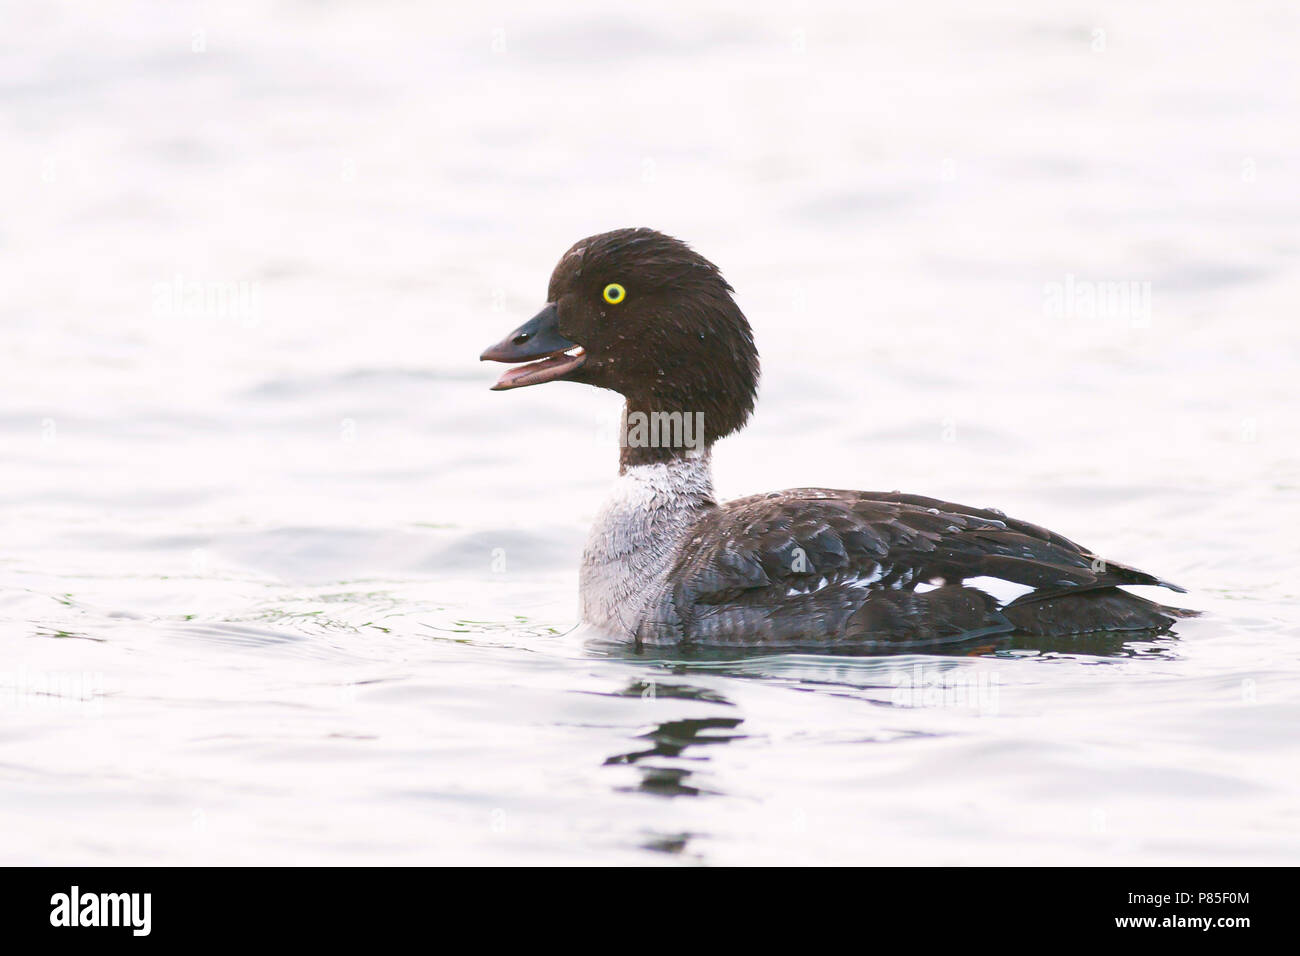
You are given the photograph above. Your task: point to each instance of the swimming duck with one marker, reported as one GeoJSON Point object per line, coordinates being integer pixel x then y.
{"type": "Point", "coordinates": [643, 314]}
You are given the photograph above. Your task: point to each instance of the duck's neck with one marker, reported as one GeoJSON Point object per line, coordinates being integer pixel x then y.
{"type": "Point", "coordinates": [631, 545]}
{"type": "Point", "coordinates": [651, 433]}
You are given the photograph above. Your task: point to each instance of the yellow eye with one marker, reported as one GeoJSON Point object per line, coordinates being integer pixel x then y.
{"type": "Point", "coordinates": [615, 293]}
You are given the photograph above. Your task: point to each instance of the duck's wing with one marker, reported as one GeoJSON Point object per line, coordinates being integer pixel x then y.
{"type": "Point", "coordinates": [813, 566]}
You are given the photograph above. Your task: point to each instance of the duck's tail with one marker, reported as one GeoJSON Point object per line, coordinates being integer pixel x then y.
{"type": "Point", "coordinates": [1100, 609]}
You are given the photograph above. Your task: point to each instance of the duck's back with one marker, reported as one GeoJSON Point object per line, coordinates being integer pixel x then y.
{"type": "Point", "coordinates": [815, 566]}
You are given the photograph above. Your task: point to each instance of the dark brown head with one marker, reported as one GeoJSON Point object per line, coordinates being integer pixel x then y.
{"type": "Point", "coordinates": [644, 315]}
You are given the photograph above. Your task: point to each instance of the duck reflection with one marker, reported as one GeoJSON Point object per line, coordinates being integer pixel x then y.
{"type": "Point", "coordinates": [680, 739]}
{"type": "Point", "coordinates": [674, 844]}
{"type": "Point", "coordinates": [1148, 643]}
{"type": "Point", "coordinates": [673, 755]}
{"type": "Point", "coordinates": [671, 739]}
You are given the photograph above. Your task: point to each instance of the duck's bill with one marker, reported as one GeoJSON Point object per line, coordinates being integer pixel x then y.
{"type": "Point", "coordinates": [539, 338]}
{"type": "Point", "coordinates": [547, 370]}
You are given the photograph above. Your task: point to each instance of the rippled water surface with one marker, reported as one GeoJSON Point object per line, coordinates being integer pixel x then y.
{"type": "Point", "coordinates": [282, 581]}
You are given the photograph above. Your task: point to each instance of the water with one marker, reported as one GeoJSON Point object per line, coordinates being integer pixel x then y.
{"type": "Point", "coordinates": [283, 582]}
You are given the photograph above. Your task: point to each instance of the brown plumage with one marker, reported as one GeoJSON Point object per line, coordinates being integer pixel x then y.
{"type": "Point", "coordinates": [642, 314]}
{"type": "Point", "coordinates": [856, 558]}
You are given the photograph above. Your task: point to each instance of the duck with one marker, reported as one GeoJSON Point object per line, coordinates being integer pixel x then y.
{"type": "Point", "coordinates": [643, 314]}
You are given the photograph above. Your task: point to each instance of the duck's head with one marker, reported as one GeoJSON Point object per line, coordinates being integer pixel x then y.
{"type": "Point", "coordinates": [642, 314]}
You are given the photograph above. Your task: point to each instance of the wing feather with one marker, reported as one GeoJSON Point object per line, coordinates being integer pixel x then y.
{"type": "Point", "coordinates": [818, 565]}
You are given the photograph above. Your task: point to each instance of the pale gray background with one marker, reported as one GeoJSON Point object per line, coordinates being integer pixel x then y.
{"type": "Point", "coordinates": [250, 607]}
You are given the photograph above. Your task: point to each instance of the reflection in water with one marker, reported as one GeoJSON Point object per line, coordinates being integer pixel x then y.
{"type": "Point", "coordinates": [1095, 644]}
{"type": "Point", "coordinates": [671, 739]}
{"type": "Point", "coordinates": [1124, 644]}
{"type": "Point", "coordinates": [671, 843]}
{"type": "Point", "coordinates": [674, 756]}
{"type": "Point", "coordinates": [652, 688]}
{"type": "Point", "coordinates": [887, 681]}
